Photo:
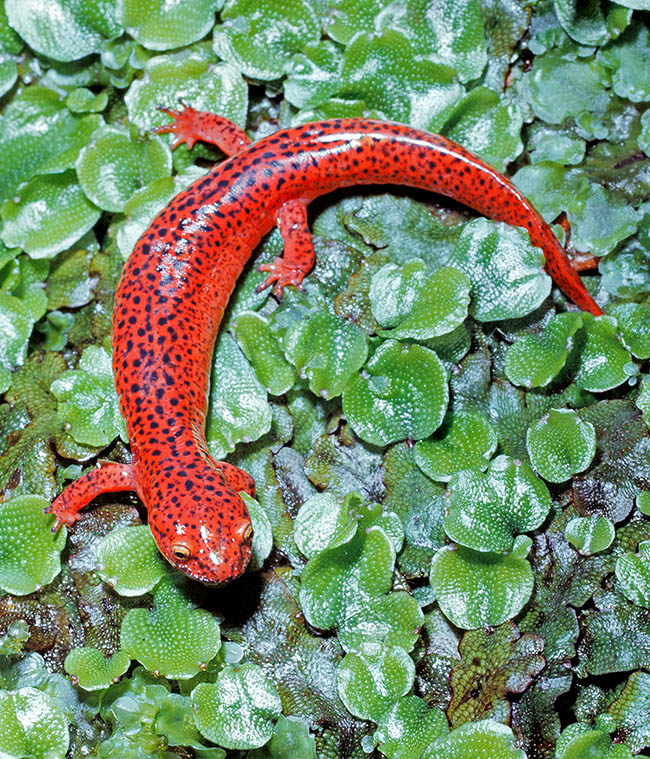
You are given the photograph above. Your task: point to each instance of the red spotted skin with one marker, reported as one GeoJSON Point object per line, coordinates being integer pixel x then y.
{"type": "Point", "coordinates": [179, 278]}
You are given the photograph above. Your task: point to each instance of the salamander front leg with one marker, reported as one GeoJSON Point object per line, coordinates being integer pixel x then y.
{"type": "Point", "coordinates": [298, 258]}
{"type": "Point", "coordinates": [108, 478]}
{"type": "Point", "coordinates": [190, 125]}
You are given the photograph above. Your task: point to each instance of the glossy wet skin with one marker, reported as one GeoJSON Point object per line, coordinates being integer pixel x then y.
{"type": "Point", "coordinates": [177, 282]}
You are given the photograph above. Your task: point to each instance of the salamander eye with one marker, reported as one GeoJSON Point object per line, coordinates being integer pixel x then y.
{"type": "Point", "coordinates": [245, 531]}
{"type": "Point", "coordinates": [181, 551]}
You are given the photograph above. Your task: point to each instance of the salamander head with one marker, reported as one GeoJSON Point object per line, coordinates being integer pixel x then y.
{"type": "Point", "coordinates": [207, 538]}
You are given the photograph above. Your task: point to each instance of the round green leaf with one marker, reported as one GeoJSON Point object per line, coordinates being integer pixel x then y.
{"type": "Point", "coordinates": [485, 739]}
{"type": "Point", "coordinates": [633, 573]}
{"type": "Point", "coordinates": [128, 560]}
{"type": "Point", "coordinates": [486, 512]}
{"type": "Point", "coordinates": [262, 533]}
{"type": "Point", "coordinates": [409, 727]}
{"type": "Point", "coordinates": [326, 350]}
{"type": "Point", "coordinates": [478, 589]}
{"type": "Point", "coordinates": [64, 30]}
{"type": "Point", "coordinates": [39, 135]}
{"type": "Point", "coordinates": [92, 670]}
{"type": "Point", "coordinates": [50, 215]}
{"type": "Point", "coordinates": [113, 166]}
{"type": "Point", "coordinates": [163, 25]}
{"type": "Point", "coordinates": [88, 402]}
{"type": "Point", "coordinates": [561, 445]}
{"type": "Point", "coordinates": [603, 363]}
{"type": "Point", "coordinates": [628, 57]}
{"type": "Point", "coordinates": [349, 587]}
{"type": "Point", "coordinates": [401, 393]}
{"type": "Point", "coordinates": [239, 709]}
{"type": "Point", "coordinates": [175, 639]}
{"type": "Point", "coordinates": [465, 441]}
{"type": "Point", "coordinates": [323, 522]}
{"type": "Point", "coordinates": [371, 681]}
{"type": "Point", "coordinates": [448, 31]}
{"type": "Point", "coordinates": [31, 725]}
{"type": "Point", "coordinates": [634, 322]}
{"type": "Point", "coordinates": [218, 88]}
{"type": "Point", "coordinates": [589, 535]}
{"type": "Point", "coordinates": [384, 70]}
{"type": "Point", "coordinates": [31, 554]}
{"type": "Point", "coordinates": [534, 360]}
{"type": "Point", "coordinates": [262, 348]}
{"type": "Point", "coordinates": [261, 36]}
{"type": "Point", "coordinates": [488, 126]}
{"type": "Point", "coordinates": [416, 304]}
{"type": "Point", "coordinates": [238, 408]}
{"type": "Point", "coordinates": [505, 268]}
{"type": "Point", "coordinates": [16, 324]}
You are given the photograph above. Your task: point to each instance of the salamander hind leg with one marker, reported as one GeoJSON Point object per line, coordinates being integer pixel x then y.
{"type": "Point", "coordinates": [298, 258]}
{"type": "Point", "coordinates": [190, 125]}
{"type": "Point", "coordinates": [108, 478]}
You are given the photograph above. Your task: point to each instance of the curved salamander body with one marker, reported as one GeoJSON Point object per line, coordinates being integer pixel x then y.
{"type": "Point", "coordinates": [177, 282]}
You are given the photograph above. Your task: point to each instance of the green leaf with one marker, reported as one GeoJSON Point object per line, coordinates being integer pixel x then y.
{"type": "Point", "coordinates": [465, 441]}
{"type": "Point", "coordinates": [603, 362]}
{"type": "Point", "coordinates": [327, 351]}
{"type": "Point", "coordinates": [239, 709]}
{"type": "Point", "coordinates": [348, 587]}
{"type": "Point", "coordinates": [534, 360]}
{"type": "Point", "coordinates": [92, 670]}
{"type": "Point", "coordinates": [485, 739]}
{"type": "Point", "coordinates": [323, 522]}
{"type": "Point", "coordinates": [261, 36]}
{"type": "Point", "coordinates": [371, 681]}
{"type": "Point", "coordinates": [634, 322]}
{"type": "Point", "coordinates": [589, 535]}
{"type": "Point", "coordinates": [238, 409]}
{"type": "Point", "coordinates": [628, 57]}
{"type": "Point", "coordinates": [128, 560]}
{"type": "Point", "coordinates": [31, 554]}
{"type": "Point", "coordinates": [88, 402]}
{"type": "Point", "coordinates": [488, 126]}
{"type": "Point", "coordinates": [406, 729]}
{"type": "Point", "coordinates": [584, 21]}
{"type": "Point", "coordinates": [630, 711]}
{"type": "Point", "coordinates": [16, 324]}
{"type": "Point", "coordinates": [262, 349]}
{"type": "Point", "coordinates": [401, 393]}
{"type": "Point", "coordinates": [63, 30]}
{"type": "Point", "coordinates": [290, 738]}
{"type": "Point", "coordinates": [415, 304]}
{"type": "Point", "coordinates": [486, 512]}
{"type": "Point", "coordinates": [633, 573]}
{"type": "Point", "coordinates": [175, 638]}
{"type": "Point", "coordinates": [218, 88]}
{"type": "Point", "coordinates": [32, 725]}
{"type": "Point", "coordinates": [476, 589]}
{"type": "Point", "coordinates": [50, 215]}
{"type": "Point", "coordinates": [561, 445]}
{"type": "Point", "coordinates": [113, 166]}
{"type": "Point", "coordinates": [559, 87]}
{"type": "Point", "coordinates": [506, 270]}
{"type": "Point", "coordinates": [38, 135]}
{"type": "Point", "coordinates": [444, 31]}
{"type": "Point", "coordinates": [643, 399]}
{"type": "Point", "coordinates": [161, 25]}
{"type": "Point", "coordinates": [384, 70]}
{"type": "Point", "coordinates": [262, 533]}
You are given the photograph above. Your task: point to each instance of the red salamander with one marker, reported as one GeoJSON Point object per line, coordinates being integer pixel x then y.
{"type": "Point", "coordinates": [177, 282]}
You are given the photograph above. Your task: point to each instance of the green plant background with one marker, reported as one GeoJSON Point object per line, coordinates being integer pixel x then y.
{"type": "Point", "coordinates": [452, 546]}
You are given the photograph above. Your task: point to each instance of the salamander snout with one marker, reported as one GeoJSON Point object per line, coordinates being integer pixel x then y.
{"type": "Point", "coordinates": [207, 537]}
